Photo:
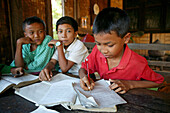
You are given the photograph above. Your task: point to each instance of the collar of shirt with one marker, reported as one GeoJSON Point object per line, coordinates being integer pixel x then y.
{"type": "Point", "coordinates": [124, 61]}
{"type": "Point", "coordinates": [46, 40]}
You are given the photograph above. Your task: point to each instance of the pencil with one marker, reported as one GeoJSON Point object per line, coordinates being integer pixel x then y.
{"type": "Point", "coordinates": [88, 71]}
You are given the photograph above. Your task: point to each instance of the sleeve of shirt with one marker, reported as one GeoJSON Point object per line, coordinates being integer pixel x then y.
{"type": "Point", "coordinates": [5, 69]}
{"type": "Point", "coordinates": [78, 54]}
{"type": "Point", "coordinates": [150, 75]}
{"type": "Point", "coordinates": [55, 55]}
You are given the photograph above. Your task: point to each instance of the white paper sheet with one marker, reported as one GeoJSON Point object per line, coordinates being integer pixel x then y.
{"type": "Point", "coordinates": [42, 109]}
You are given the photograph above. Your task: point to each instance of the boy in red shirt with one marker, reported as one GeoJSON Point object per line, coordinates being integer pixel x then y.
{"type": "Point", "coordinates": [112, 58]}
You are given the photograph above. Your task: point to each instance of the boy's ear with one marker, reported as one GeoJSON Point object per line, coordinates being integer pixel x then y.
{"type": "Point", "coordinates": [25, 34]}
{"type": "Point", "coordinates": [127, 38]}
{"type": "Point", "coordinates": [76, 33]}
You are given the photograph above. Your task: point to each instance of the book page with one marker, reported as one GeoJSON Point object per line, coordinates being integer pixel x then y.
{"type": "Point", "coordinates": [102, 94]}
{"type": "Point", "coordinates": [59, 92]}
{"type": "Point", "coordinates": [59, 77]}
{"type": "Point", "coordinates": [24, 78]}
{"type": "Point", "coordinates": [4, 85]}
{"type": "Point", "coordinates": [34, 92]}
{"type": "Point", "coordinates": [43, 109]}
{"type": "Point", "coordinates": [78, 106]}
{"type": "Point", "coordinates": [87, 102]}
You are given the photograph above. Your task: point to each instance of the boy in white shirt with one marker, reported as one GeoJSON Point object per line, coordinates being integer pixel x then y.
{"type": "Point", "coordinates": [70, 52]}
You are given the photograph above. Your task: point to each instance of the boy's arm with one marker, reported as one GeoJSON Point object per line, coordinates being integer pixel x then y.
{"type": "Point", "coordinates": [64, 64]}
{"type": "Point", "coordinates": [19, 62]}
{"type": "Point", "coordinates": [122, 86]}
{"type": "Point", "coordinates": [84, 82]}
{"type": "Point", "coordinates": [82, 73]}
{"type": "Point", "coordinates": [17, 71]}
{"type": "Point", "coordinates": [9, 69]}
{"type": "Point", "coordinates": [46, 73]}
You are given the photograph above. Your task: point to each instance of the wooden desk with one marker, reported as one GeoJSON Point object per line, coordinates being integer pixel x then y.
{"type": "Point", "coordinates": [138, 101]}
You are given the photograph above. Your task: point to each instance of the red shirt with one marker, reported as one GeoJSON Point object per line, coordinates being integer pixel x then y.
{"type": "Point", "coordinates": [131, 67]}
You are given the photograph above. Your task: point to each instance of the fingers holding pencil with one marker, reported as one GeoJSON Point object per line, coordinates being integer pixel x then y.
{"type": "Point", "coordinates": [86, 84]}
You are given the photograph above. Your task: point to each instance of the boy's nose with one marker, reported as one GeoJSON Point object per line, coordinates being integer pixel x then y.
{"type": "Point", "coordinates": [103, 50]}
{"type": "Point", "coordinates": [36, 35]}
{"type": "Point", "coordinates": [64, 35]}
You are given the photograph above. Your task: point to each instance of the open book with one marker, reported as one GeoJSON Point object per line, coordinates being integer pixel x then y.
{"type": "Point", "coordinates": [101, 97]}
{"type": "Point", "coordinates": [61, 90]}
{"type": "Point", "coordinates": [7, 82]}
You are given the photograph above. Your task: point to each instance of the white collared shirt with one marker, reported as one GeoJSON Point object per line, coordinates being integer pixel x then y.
{"type": "Point", "coordinates": [76, 52]}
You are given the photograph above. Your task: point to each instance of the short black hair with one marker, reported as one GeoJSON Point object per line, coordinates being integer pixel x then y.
{"type": "Point", "coordinates": [67, 20]}
{"type": "Point", "coordinates": [31, 20]}
{"type": "Point", "coordinates": [111, 19]}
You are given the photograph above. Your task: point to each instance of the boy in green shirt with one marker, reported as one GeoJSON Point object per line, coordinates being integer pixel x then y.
{"type": "Point", "coordinates": [32, 51]}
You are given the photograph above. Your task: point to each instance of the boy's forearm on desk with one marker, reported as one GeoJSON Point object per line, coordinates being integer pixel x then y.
{"type": "Point", "coordinates": [50, 66]}
{"type": "Point", "coordinates": [143, 84]}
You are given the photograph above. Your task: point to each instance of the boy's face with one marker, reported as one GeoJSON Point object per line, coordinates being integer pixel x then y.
{"type": "Point", "coordinates": [36, 32]}
{"type": "Point", "coordinates": [110, 45]}
{"type": "Point", "coordinates": [66, 34]}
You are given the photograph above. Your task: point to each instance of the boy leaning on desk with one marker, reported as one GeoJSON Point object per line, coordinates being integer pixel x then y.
{"type": "Point", "coordinates": [32, 51]}
{"type": "Point", "coordinates": [70, 52]}
{"type": "Point", "coordinates": [112, 58]}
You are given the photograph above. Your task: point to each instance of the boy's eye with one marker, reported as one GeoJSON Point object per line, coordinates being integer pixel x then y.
{"type": "Point", "coordinates": [40, 31]}
{"type": "Point", "coordinates": [68, 31]}
{"type": "Point", "coordinates": [98, 44]}
{"type": "Point", "coordinates": [110, 45]}
{"type": "Point", "coordinates": [59, 31]}
{"type": "Point", "coordinates": [31, 33]}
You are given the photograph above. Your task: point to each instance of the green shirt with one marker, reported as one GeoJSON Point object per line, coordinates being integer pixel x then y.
{"type": "Point", "coordinates": [37, 59]}
{"type": "Point", "coordinates": [5, 69]}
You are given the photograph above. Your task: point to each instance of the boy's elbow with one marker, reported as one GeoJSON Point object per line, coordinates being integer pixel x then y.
{"type": "Point", "coordinates": [64, 70]}
{"type": "Point", "coordinates": [159, 84]}
{"type": "Point", "coordinates": [155, 85]}
{"type": "Point", "coordinates": [19, 65]}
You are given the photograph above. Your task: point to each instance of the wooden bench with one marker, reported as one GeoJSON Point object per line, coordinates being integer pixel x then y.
{"type": "Point", "coordinates": [137, 46]}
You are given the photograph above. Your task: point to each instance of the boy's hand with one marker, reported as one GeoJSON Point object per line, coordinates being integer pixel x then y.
{"type": "Point", "coordinates": [85, 84]}
{"type": "Point", "coordinates": [45, 75]}
{"type": "Point", "coordinates": [53, 42]}
{"type": "Point", "coordinates": [17, 71]}
{"type": "Point", "coordinates": [25, 40]}
{"type": "Point", "coordinates": [120, 86]}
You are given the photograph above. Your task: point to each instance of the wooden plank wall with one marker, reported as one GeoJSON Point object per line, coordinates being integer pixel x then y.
{"type": "Point", "coordinates": [84, 8]}
{"type": "Point", "coordinates": [164, 38]}
{"type": "Point", "coordinates": [5, 43]}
